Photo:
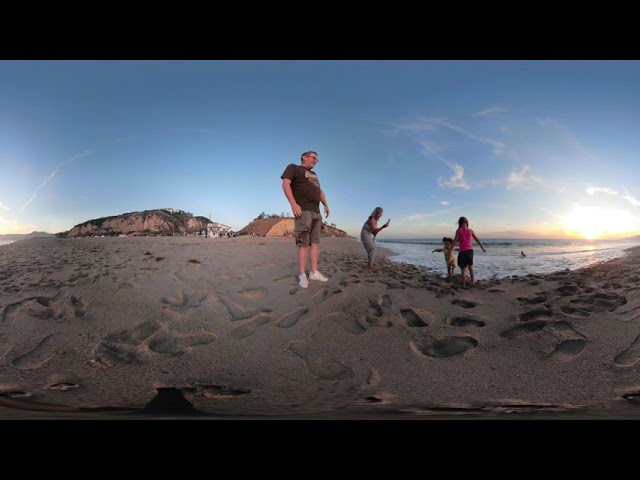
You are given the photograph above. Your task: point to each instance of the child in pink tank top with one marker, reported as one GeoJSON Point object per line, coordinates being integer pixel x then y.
{"type": "Point", "coordinates": [465, 257]}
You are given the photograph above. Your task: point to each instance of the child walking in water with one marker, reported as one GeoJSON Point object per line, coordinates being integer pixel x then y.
{"type": "Point", "coordinates": [449, 257]}
{"type": "Point", "coordinates": [465, 257]}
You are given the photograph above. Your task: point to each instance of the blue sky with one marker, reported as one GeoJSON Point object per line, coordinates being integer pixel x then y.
{"type": "Point", "coordinates": [521, 148]}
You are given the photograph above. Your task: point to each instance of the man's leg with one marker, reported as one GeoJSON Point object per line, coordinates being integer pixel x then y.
{"type": "Point", "coordinates": [302, 257]}
{"type": "Point", "coordinates": [315, 249]}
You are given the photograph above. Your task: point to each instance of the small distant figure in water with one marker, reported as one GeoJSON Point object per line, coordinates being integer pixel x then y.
{"type": "Point", "coordinates": [449, 257]}
{"type": "Point", "coordinates": [522, 254]}
{"type": "Point", "coordinates": [465, 257]}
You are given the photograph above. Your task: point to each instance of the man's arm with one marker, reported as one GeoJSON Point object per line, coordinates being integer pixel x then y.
{"type": "Point", "coordinates": [295, 208]}
{"type": "Point", "coordinates": [323, 199]}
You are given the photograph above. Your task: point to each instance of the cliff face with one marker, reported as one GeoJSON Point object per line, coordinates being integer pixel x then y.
{"type": "Point", "coordinates": [284, 227]}
{"type": "Point", "coordinates": [141, 223]}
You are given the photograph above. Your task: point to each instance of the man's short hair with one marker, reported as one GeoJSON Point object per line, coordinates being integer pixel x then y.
{"type": "Point", "coordinates": [307, 153]}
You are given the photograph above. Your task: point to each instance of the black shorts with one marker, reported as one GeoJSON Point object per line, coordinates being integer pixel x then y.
{"type": "Point", "coordinates": [465, 258]}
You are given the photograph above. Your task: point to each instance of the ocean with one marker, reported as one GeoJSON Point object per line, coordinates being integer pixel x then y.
{"type": "Point", "coordinates": [503, 257]}
{"type": "Point", "coordinates": [5, 242]}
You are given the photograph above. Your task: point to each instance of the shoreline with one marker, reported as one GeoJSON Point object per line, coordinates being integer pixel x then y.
{"type": "Point", "coordinates": [107, 322]}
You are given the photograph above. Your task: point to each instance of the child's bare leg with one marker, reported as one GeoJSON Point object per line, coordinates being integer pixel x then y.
{"type": "Point", "coordinates": [463, 276]}
{"type": "Point", "coordinates": [473, 276]}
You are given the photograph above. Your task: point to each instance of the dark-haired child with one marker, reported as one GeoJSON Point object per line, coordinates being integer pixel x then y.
{"type": "Point", "coordinates": [449, 257]}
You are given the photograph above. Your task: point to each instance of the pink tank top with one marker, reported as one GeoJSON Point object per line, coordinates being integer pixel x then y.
{"type": "Point", "coordinates": [464, 237]}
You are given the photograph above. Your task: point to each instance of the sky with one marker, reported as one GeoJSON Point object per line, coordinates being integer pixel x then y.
{"type": "Point", "coordinates": [533, 149]}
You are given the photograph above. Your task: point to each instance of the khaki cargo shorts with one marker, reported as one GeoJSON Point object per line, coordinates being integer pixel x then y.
{"type": "Point", "coordinates": [307, 228]}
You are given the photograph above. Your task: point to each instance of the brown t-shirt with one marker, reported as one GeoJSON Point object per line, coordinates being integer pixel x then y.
{"type": "Point", "coordinates": [305, 187]}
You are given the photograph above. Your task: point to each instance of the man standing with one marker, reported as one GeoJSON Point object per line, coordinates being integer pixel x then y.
{"type": "Point", "coordinates": [302, 189]}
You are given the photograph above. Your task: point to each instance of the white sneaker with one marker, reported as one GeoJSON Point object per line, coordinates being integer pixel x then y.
{"type": "Point", "coordinates": [317, 276]}
{"type": "Point", "coordinates": [302, 280]}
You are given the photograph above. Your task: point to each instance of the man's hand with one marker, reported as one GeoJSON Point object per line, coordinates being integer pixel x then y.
{"type": "Point", "coordinates": [326, 211]}
{"type": "Point", "coordinates": [296, 210]}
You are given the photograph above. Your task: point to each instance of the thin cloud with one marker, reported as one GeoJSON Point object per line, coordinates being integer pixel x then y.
{"type": "Point", "coordinates": [52, 175]}
{"type": "Point", "coordinates": [457, 180]}
{"type": "Point", "coordinates": [632, 200]}
{"type": "Point", "coordinates": [594, 190]}
{"type": "Point", "coordinates": [420, 216]}
{"type": "Point", "coordinates": [609, 191]}
{"type": "Point", "coordinates": [432, 147]}
{"type": "Point", "coordinates": [4, 207]}
{"type": "Point", "coordinates": [569, 137]}
{"type": "Point", "coordinates": [445, 203]}
{"type": "Point", "coordinates": [491, 112]}
{"type": "Point", "coordinates": [5, 221]}
{"type": "Point", "coordinates": [426, 125]}
{"type": "Point", "coordinates": [498, 147]}
{"type": "Point", "coordinates": [522, 178]}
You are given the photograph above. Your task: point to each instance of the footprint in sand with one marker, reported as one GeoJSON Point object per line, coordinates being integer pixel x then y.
{"type": "Point", "coordinates": [37, 356]}
{"type": "Point", "coordinates": [348, 321]}
{"type": "Point", "coordinates": [249, 328]}
{"type": "Point", "coordinates": [464, 303]}
{"type": "Point", "coordinates": [631, 311]}
{"type": "Point", "coordinates": [109, 353]}
{"type": "Point", "coordinates": [575, 312]}
{"type": "Point", "coordinates": [567, 290]}
{"type": "Point", "coordinates": [535, 313]}
{"type": "Point", "coordinates": [176, 343]}
{"type": "Point", "coordinates": [79, 306]}
{"type": "Point", "coordinates": [630, 356]}
{"type": "Point", "coordinates": [291, 318]}
{"type": "Point", "coordinates": [128, 346]}
{"type": "Point", "coordinates": [569, 349]}
{"type": "Point", "coordinates": [252, 293]}
{"type": "Point", "coordinates": [374, 307]}
{"type": "Point", "coordinates": [321, 295]}
{"type": "Point", "coordinates": [447, 347]}
{"type": "Point", "coordinates": [38, 308]}
{"type": "Point", "coordinates": [349, 281]}
{"type": "Point", "coordinates": [320, 366]}
{"type": "Point", "coordinates": [606, 301]}
{"type": "Point", "coordinates": [532, 301]}
{"type": "Point", "coordinates": [524, 329]}
{"type": "Point", "coordinates": [378, 322]}
{"type": "Point", "coordinates": [412, 318]}
{"type": "Point", "coordinates": [136, 335]}
{"type": "Point", "coordinates": [183, 300]}
{"type": "Point", "coordinates": [238, 312]}
{"type": "Point", "coordinates": [466, 322]}
{"type": "Point", "coordinates": [386, 301]}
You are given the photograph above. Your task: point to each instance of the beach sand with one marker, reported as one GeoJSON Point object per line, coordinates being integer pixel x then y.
{"type": "Point", "coordinates": [100, 326]}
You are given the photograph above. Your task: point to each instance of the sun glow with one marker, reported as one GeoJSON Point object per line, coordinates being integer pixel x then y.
{"type": "Point", "coordinates": [592, 223]}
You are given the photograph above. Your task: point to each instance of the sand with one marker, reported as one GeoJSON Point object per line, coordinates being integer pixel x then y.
{"type": "Point", "coordinates": [219, 327]}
